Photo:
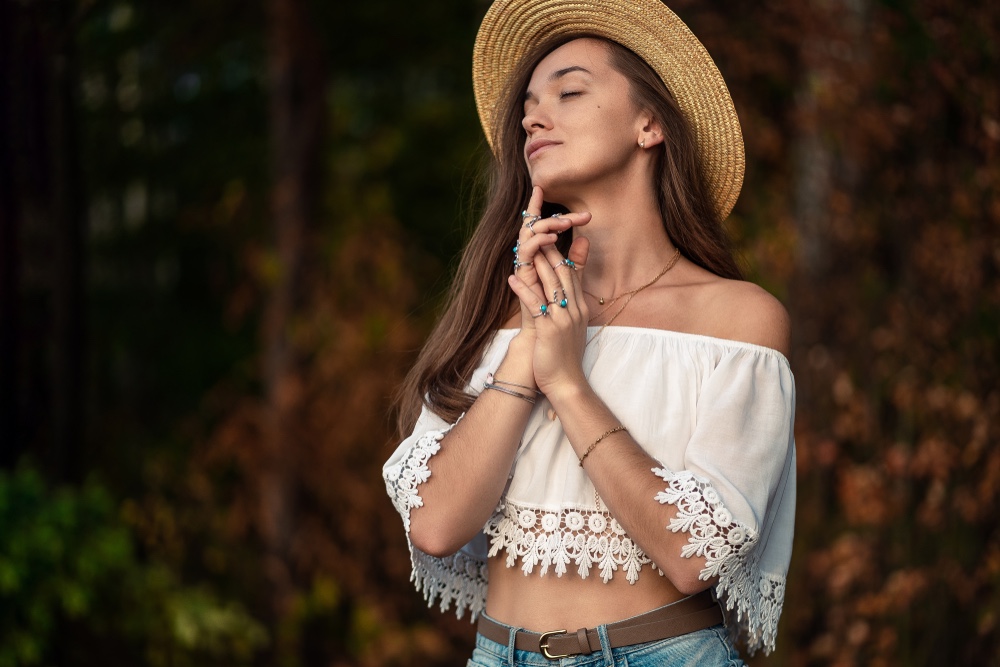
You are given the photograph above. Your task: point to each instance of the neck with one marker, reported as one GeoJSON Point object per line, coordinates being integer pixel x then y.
{"type": "Point", "coordinates": [628, 245]}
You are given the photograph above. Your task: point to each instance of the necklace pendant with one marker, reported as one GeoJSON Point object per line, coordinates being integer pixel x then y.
{"type": "Point", "coordinates": [600, 301]}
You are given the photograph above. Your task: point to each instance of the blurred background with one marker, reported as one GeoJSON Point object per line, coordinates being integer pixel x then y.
{"type": "Point", "coordinates": [225, 229]}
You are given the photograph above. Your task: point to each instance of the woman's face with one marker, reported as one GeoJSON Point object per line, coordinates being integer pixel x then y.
{"type": "Point", "coordinates": [582, 128]}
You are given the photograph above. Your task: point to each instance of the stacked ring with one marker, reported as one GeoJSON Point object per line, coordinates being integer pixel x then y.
{"type": "Point", "coordinates": [530, 224]}
{"type": "Point", "coordinates": [555, 299]}
{"type": "Point", "coordinates": [517, 259]}
{"type": "Point", "coordinates": [543, 310]}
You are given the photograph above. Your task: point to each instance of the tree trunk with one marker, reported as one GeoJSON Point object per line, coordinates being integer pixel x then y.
{"type": "Point", "coordinates": [10, 442]}
{"type": "Point", "coordinates": [297, 94]}
{"type": "Point", "coordinates": [834, 52]}
{"type": "Point", "coordinates": [41, 236]}
{"type": "Point", "coordinates": [68, 284]}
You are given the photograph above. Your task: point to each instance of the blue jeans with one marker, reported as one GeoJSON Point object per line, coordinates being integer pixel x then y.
{"type": "Point", "coordinates": [703, 648]}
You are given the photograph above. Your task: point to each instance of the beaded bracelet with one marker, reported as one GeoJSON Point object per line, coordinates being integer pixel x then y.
{"type": "Point", "coordinates": [603, 436]}
{"type": "Point", "coordinates": [511, 392]}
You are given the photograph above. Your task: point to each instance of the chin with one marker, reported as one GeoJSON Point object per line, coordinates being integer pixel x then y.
{"type": "Point", "coordinates": [556, 187]}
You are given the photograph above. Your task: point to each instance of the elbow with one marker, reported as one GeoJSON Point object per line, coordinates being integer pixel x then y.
{"type": "Point", "coordinates": [690, 584]}
{"type": "Point", "coordinates": [685, 575]}
{"type": "Point", "coordinates": [428, 538]}
{"type": "Point", "coordinates": [432, 545]}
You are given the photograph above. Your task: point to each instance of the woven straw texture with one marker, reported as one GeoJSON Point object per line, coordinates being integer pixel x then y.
{"type": "Point", "coordinates": [512, 28]}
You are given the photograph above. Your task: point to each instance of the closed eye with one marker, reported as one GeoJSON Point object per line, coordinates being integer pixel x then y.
{"type": "Point", "coordinates": [569, 93]}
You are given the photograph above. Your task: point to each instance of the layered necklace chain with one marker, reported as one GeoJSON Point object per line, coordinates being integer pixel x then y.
{"type": "Point", "coordinates": [628, 296]}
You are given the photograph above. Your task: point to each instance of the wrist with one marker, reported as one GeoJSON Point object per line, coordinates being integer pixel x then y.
{"type": "Point", "coordinates": [515, 367]}
{"type": "Point", "coordinates": [569, 393]}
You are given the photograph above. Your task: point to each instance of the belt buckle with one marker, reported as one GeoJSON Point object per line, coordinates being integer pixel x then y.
{"type": "Point", "coordinates": [543, 644]}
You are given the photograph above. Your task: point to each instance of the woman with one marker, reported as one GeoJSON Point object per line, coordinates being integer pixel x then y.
{"type": "Point", "coordinates": [604, 439]}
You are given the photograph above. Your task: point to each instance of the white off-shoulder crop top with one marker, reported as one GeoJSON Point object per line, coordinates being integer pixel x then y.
{"type": "Point", "coordinates": [718, 417]}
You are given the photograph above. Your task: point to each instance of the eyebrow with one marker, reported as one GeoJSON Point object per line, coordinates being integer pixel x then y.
{"type": "Point", "coordinates": [559, 73]}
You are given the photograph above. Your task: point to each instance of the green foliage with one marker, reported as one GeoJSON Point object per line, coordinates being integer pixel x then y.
{"type": "Point", "coordinates": [68, 565]}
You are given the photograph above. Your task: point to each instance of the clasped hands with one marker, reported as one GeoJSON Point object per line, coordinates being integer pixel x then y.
{"type": "Point", "coordinates": [550, 289]}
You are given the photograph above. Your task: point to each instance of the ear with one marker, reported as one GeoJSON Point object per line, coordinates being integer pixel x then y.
{"type": "Point", "coordinates": [650, 130]}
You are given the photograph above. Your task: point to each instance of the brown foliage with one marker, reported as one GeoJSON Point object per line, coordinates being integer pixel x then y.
{"type": "Point", "coordinates": [896, 356]}
{"type": "Point", "coordinates": [897, 557]}
{"type": "Point", "coordinates": [352, 341]}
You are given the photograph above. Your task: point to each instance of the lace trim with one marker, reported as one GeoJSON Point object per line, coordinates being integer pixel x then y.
{"type": "Point", "coordinates": [459, 579]}
{"type": "Point", "coordinates": [728, 547]}
{"type": "Point", "coordinates": [592, 537]}
{"type": "Point", "coordinates": [542, 538]}
{"type": "Point", "coordinates": [402, 479]}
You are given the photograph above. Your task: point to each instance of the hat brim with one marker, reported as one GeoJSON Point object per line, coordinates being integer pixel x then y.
{"type": "Point", "coordinates": [512, 28]}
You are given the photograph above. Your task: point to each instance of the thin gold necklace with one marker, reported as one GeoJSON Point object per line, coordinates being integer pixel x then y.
{"type": "Point", "coordinates": [633, 292]}
{"type": "Point", "coordinates": [612, 299]}
{"type": "Point", "coordinates": [630, 294]}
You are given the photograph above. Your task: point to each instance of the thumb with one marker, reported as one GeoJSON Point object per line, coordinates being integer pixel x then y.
{"type": "Point", "coordinates": [579, 251]}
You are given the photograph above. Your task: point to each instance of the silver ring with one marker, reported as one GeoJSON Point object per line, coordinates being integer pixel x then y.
{"type": "Point", "coordinates": [518, 265]}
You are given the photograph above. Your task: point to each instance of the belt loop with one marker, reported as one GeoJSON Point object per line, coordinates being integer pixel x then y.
{"type": "Point", "coordinates": [511, 645]}
{"type": "Point", "coordinates": [609, 658]}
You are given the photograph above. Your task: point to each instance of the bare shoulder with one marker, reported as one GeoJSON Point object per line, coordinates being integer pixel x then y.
{"type": "Point", "coordinates": [747, 312]}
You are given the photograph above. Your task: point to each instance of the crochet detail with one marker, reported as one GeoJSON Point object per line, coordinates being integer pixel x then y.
{"type": "Point", "coordinates": [459, 579]}
{"type": "Point", "coordinates": [751, 598]}
{"type": "Point", "coordinates": [543, 538]}
{"type": "Point", "coordinates": [402, 479]}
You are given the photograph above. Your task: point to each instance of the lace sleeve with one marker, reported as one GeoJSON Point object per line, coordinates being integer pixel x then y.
{"type": "Point", "coordinates": [735, 496]}
{"type": "Point", "coordinates": [459, 579]}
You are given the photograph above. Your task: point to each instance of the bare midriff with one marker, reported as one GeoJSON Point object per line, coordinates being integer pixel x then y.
{"type": "Point", "coordinates": [570, 602]}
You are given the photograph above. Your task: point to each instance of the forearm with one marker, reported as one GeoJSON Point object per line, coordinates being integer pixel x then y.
{"type": "Point", "coordinates": [621, 472]}
{"type": "Point", "coordinates": [469, 473]}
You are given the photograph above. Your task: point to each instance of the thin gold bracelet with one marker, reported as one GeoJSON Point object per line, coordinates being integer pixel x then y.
{"type": "Point", "coordinates": [603, 436]}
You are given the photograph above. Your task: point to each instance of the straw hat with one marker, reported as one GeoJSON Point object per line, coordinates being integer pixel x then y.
{"type": "Point", "coordinates": [512, 28]}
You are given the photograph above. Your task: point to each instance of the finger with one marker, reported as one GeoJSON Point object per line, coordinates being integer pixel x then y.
{"type": "Point", "coordinates": [561, 269]}
{"type": "Point", "coordinates": [553, 283]}
{"type": "Point", "coordinates": [527, 296]}
{"type": "Point", "coordinates": [578, 254]}
{"type": "Point", "coordinates": [531, 214]}
{"type": "Point", "coordinates": [558, 223]}
{"type": "Point", "coordinates": [579, 251]}
{"type": "Point", "coordinates": [527, 254]}
{"type": "Point", "coordinates": [535, 201]}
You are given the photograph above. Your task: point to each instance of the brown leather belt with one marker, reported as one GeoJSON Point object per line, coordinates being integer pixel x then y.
{"type": "Point", "coordinates": [688, 615]}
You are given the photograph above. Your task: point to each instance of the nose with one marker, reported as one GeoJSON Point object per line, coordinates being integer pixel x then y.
{"type": "Point", "coordinates": [535, 118]}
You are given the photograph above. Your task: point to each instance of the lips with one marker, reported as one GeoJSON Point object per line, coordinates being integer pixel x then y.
{"type": "Point", "coordinates": [535, 146]}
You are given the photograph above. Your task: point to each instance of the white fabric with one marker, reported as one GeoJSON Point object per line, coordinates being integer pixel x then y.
{"type": "Point", "coordinates": [718, 417]}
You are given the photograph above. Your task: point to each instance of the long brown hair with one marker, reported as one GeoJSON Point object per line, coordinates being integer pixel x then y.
{"type": "Point", "coordinates": [480, 301]}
